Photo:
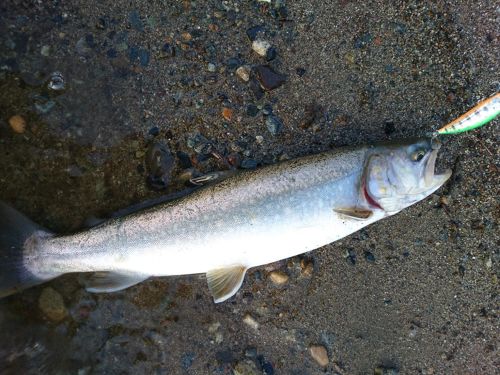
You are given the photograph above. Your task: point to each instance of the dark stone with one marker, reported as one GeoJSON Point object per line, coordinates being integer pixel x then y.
{"type": "Point", "coordinates": [248, 164]}
{"type": "Point", "coordinates": [135, 20]}
{"type": "Point", "coordinates": [154, 131]}
{"type": "Point", "coordinates": [159, 163]}
{"type": "Point", "coordinates": [251, 352]}
{"type": "Point", "coordinates": [271, 53]}
{"type": "Point", "coordinates": [111, 53]}
{"type": "Point", "coordinates": [265, 366]}
{"type": "Point", "coordinates": [389, 127]}
{"type": "Point", "coordinates": [369, 257]}
{"type": "Point", "coordinates": [144, 57]}
{"type": "Point", "coordinates": [187, 360]}
{"type": "Point", "coordinates": [256, 89]}
{"type": "Point", "coordinates": [224, 356]}
{"type": "Point", "coordinates": [274, 124]}
{"type": "Point", "coordinates": [312, 112]}
{"type": "Point", "coordinates": [363, 40]}
{"type": "Point", "coordinates": [267, 110]}
{"type": "Point", "coordinates": [254, 31]}
{"type": "Point", "coordinates": [167, 50]}
{"type": "Point", "coordinates": [300, 71]}
{"type": "Point", "coordinates": [351, 256]}
{"type": "Point", "coordinates": [233, 63]}
{"type": "Point", "coordinates": [268, 78]}
{"type": "Point", "coordinates": [184, 160]}
{"type": "Point", "coordinates": [252, 110]}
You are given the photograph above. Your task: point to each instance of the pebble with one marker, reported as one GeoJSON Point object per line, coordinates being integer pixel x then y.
{"type": "Point", "coordinates": [52, 305]}
{"type": "Point", "coordinates": [306, 268]}
{"type": "Point", "coordinates": [253, 31]}
{"type": "Point", "coordinates": [159, 163]}
{"type": "Point", "coordinates": [268, 78]}
{"type": "Point", "coordinates": [252, 110]}
{"type": "Point", "coordinates": [250, 321]}
{"type": "Point", "coordinates": [211, 67]}
{"type": "Point", "coordinates": [45, 51]}
{"type": "Point", "coordinates": [56, 82]}
{"type": "Point", "coordinates": [300, 71]}
{"type": "Point", "coordinates": [369, 257]}
{"type": "Point", "coordinates": [259, 139]}
{"type": "Point", "coordinates": [249, 164]}
{"type": "Point", "coordinates": [227, 113]}
{"type": "Point", "coordinates": [278, 277]}
{"type": "Point", "coordinates": [261, 47]}
{"type": "Point", "coordinates": [246, 367]}
{"type": "Point", "coordinates": [17, 124]}
{"type": "Point", "coordinates": [274, 124]}
{"type": "Point", "coordinates": [312, 112]}
{"type": "Point", "coordinates": [244, 73]}
{"type": "Point", "coordinates": [319, 354]}
{"type": "Point", "coordinates": [167, 50]}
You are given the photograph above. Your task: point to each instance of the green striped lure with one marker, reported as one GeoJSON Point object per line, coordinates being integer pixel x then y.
{"type": "Point", "coordinates": [481, 114]}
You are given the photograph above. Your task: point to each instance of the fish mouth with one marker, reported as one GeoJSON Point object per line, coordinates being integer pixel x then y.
{"type": "Point", "coordinates": [432, 180]}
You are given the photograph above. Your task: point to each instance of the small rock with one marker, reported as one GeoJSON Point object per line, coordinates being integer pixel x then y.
{"type": "Point", "coordinates": [369, 257]}
{"type": "Point", "coordinates": [271, 54]}
{"type": "Point", "coordinates": [159, 163]}
{"type": "Point", "coordinates": [306, 268]}
{"type": "Point", "coordinates": [186, 37]}
{"type": "Point", "coordinates": [268, 78]}
{"type": "Point", "coordinates": [251, 352]}
{"type": "Point", "coordinates": [233, 63]}
{"type": "Point", "coordinates": [274, 124]}
{"type": "Point", "coordinates": [319, 354]}
{"type": "Point", "coordinates": [250, 321]}
{"type": "Point", "coordinates": [278, 277]}
{"type": "Point", "coordinates": [56, 82]}
{"type": "Point", "coordinates": [351, 256]}
{"type": "Point", "coordinates": [17, 124]}
{"type": "Point", "coordinates": [267, 109]}
{"type": "Point", "coordinates": [256, 89]}
{"type": "Point", "coordinates": [45, 51]}
{"type": "Point", "coordinates": [300, 71]}
{"type": "Point", "coordinates": [253, 32]}
{"type": "Point", "coordinates": [52, 305]}
{"type": "Point", "coordinates": [261, 47]}
{"type": "Point", "coordinates": [243, 72]}
{"type": "Point", "coordinates": [252, 110]}
{"type": "Point", "coordinates": [249, 164]}
{"type": "Point", "coordinates": [312, 112]}
{"type": "Point", "coordinates": [259, 139]}
{"type": "Point", "coordinates": [227, 113]}
{"type": "Point", "coordinates": [246, 367]}
{"type": "Point", "coordinates": [211, 67]}
{"type": "Point", "coordinates": [167, 50]}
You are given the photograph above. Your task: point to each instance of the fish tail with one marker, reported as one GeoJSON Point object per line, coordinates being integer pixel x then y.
{"type": "Point", "coordinates": [20, 238]}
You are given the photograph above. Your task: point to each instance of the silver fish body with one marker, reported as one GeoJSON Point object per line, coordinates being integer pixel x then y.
{"type": "Point", "coordinates": [248, 220]}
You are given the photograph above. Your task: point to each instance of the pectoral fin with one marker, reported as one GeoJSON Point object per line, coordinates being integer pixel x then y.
{"type": "Point", "coordinates": [225, 282]}
{"type": "Point", "coordinates": [105, 282]}
{"type": "Point", "coordinates": [355, 212]}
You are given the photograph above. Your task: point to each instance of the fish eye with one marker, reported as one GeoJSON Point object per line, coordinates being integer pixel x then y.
{"type": "Point", "coordinates": [418, 155]}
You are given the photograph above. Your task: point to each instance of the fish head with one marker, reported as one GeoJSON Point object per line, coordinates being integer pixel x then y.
{"type": "Point", "coordinates": [401, 174]}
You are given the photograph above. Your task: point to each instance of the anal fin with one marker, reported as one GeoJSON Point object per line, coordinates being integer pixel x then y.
{"type": "Point", "coordinates": [225, 282]}
{"type": "Point", "coordinates": [355, 212]}
{"type": "Point", "coordinates": [106, 282]}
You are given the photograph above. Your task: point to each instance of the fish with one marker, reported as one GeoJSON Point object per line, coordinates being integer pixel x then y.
{"type": "Point", "coordinates": [248, 219]}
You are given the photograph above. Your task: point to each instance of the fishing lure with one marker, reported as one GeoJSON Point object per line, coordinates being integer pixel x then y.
{"type": "Point", "coordinates": [481, 114]}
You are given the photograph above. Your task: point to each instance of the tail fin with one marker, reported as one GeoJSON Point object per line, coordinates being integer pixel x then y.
{"type": "Point", "coordinates": [16, 230]}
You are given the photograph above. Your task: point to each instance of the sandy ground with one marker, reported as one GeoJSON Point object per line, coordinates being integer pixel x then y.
{"type": "Point", "coordinates": [414, 294]}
